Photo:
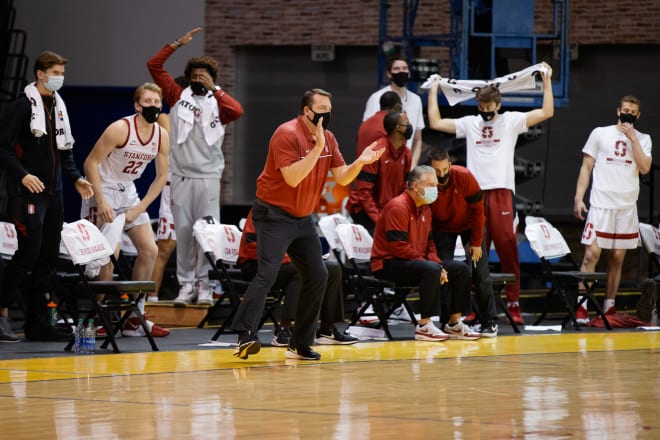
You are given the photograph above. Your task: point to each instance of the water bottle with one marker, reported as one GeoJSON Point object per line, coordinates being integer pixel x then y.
{"type": "Point", "coordinates": [78, 333]}
{"type": "Point", "coordinates": [90, 337]}
{"type": "Point", "coordinates": [52, 313]}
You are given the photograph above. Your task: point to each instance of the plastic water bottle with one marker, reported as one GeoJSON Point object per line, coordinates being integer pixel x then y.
{"type": "Point", "coordinates": [90, 337]}
{"type": "Point", "coordinates": [77, 337]}
{"type": "Point", "coordinates": [52, 313]}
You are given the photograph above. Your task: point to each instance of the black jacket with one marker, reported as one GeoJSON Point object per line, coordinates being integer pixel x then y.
{"type": "Point", "coordinates": [22, 153]}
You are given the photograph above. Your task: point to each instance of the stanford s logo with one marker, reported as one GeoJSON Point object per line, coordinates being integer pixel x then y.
{"type": "Point", "coordinates": [588, 231]}
{"type": "Point", "coordinates": [620, 148]}
{"type": "Point", "coordinates": [231, 238]}
{"type": "Point", "coordinates": [84, 233]}
{"type": "Point", "coordinates": [356, 233]}
{"type": "Point", "coordinates": [487, 132]}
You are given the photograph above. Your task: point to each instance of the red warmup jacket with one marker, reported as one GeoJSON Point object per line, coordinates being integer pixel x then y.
{"type": "Point", "coordinates": [460, 206]}
{"type": "Point", "coordinates": [404, 232]}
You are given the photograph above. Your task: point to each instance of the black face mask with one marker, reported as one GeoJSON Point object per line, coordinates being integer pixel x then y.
{"type": "Point", "coordinates": [443, 180]}
{"type": "Point", "coordinates": [627, 118]}
{"type": "Point", "coordinates": [198, 88]}
{"type": "Point", "coordinates": [400, 78]}
{"type": "Point", "coordinates": [487, 116]}
{"type": "Point", "coordinates": [317, 116]}
{"type": "Point", "coordinates": [150, 114]}
{"type": "Point", "coordinates": [408, 132]}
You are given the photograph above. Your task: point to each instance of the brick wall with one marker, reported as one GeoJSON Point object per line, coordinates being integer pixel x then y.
{"type": "Point", "coordinates": [355, 22]}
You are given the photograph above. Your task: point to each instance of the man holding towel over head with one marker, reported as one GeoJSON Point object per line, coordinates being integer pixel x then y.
{"type": "Point", "coordinates": [35, 148]}
{"type": "Point", "coordinates": [198, 115]}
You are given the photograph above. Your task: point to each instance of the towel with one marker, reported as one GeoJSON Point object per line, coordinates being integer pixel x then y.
{"type": "Point", "coordinates": [186, 107]}
{"type": "Point", "coordinates": [63, 139]}
{"type": "Point", "coordinates": [463, 89]}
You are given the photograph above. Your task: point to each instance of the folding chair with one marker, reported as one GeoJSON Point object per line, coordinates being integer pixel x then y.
{"type": "Point", "coordinates": [327, 225]}
{"type": "Point", "coordinates": [357, 242]}
{"type": "Point", "coordinates": [89, 249]}
{"type": "Point", "coordinates": [548, 244]}
{"type": "Point", "coordinates": [650, 236]}
{"type": "Point", "coordinates": [498, 280]}
{"type": "Point", "coordinates": [220, 244]}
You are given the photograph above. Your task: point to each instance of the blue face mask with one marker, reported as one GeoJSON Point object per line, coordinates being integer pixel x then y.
{"type": "Point", "coordinates": [54, 82]}
{"type": "Point", "coordinates": [430, 194]}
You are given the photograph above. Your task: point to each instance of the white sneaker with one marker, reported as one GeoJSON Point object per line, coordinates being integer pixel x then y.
{"type": "Point", "coordinates": [400, 314]}
{"type": "Point", "coordinates": [429, 332]}
{"type": "Point", "coordinates": [204, 293]}
{"type": "Point", "coordinates": [186, 295]}
{"type": "Point", "coordinates": [369, 316]}
{"type": "Point", "coordinates": [462, 332]}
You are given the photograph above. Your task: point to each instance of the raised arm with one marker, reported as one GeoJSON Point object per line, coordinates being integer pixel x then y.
{"type": "Point", "coordinates": [435, 120]}
{"type": "Point", "coordinates": [347, 173]}
{"type": "Point", "coordinates": [539, 115]}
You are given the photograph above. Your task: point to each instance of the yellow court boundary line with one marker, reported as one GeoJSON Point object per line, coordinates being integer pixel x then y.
{"type": "Point", "coordinates": [123, 364]}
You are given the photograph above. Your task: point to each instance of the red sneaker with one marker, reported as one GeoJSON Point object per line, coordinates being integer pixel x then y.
{"type": "Point", "coordinates": [470, 318]}
{"type": "Point", "coordinates": [514, 311]}
{"type": "Point", "coordinates": [610, 311]}
{"type": "Point", "coordinates": [582, 316]}
{"type": "Point", "coordinates": [133, 328]}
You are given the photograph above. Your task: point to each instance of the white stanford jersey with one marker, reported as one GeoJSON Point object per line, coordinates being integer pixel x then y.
{"type": "Point", "coordinates": [491, 146]}
{"type": "Point", "coordinates": [128, 161]}
{"type": "Point", "coordinates": [615, 175]}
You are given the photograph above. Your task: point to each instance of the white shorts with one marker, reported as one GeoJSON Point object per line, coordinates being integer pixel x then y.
{"type": "Point", "coordinates": [613, 228]}
{"type": "Point", "coordinates": [121, 197]}
{"type": "Point", "coordinates": [165, 218]}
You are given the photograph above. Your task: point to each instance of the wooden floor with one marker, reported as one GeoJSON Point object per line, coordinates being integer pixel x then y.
{"type": "Point", "coordinates": [567, 386]}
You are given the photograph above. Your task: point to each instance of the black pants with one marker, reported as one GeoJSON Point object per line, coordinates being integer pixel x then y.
{"type": "Point", "coordinates": [290, 280]}
{"type": "Point", "coordinates": [445, 243]}
{"type": "Point", "coordinates": [427, 275]}
{"type": "Point", "coordinates": [279, 233]}
{"type": "Point", "coordinates": [38, 220]}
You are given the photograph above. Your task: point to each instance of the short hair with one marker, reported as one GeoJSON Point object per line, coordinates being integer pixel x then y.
{"type": "Point", "coordinates": [48, 59]}
{"type": "Point", "coordinates": [631, 99]}
{"type": "Point", "coordinates": [205, 62]}
{"type": "Point", "coordinates": [391, 120]}
{"type": "Point", "coordinates": [489, 94]}
{"type": "Point", "coordinates": [390, 101]}
{"type": "Point", "coordinates": [416, 174]}
{"type": "Point", "coordinates": [308, 98]}
{"type": "Point", "coordinates": [147, 86]}
{"type": "Point", "coordinates": [436, 153]}
{"type": "Point", "coordinates": [391, 62]}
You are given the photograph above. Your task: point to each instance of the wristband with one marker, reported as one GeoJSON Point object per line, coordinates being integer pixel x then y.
{"type": "Point", "coordinates": [177, 42]}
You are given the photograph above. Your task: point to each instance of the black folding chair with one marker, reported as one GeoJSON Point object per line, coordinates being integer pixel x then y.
{"type": "Point", "coordinates": [383, 296]}
{"type": "Point", "coordinates": [220, 244]}
{"type": "Point", "coordinates": [85, 244]}
{"type": "Point", "coordinates": [548, 244]}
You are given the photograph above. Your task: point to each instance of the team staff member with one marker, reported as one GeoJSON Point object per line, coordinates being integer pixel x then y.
{"type": "Point", "coordinates": [300, 154]}
{"type": "Point", "coordinates": [459, 211]}
{"type": "Point", "coordinates": [381, 181]}
{"type": "Point", "coordinates": [372, 128]}
{"type": "Point", "coordinates": [403, 251]}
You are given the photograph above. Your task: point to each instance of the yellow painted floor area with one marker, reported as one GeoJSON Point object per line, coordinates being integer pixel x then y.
{"type": "Point", "coordinates": [71, 367]}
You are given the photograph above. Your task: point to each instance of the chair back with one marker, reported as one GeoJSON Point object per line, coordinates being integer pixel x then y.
{"type": "Point", "coordinates": [84, 242]}
{"type": "Point", "coordinates": [221, 240]}
{"type": "Point", "coordinates": [544, 239]}
{"type": "Point", "coordinates": [356, 241]}
{"type": "Point", "coordinates": [651, 241]}
{"type": "Point", "coordinates": [8, 240]}
{"type": "Point", "coordinates": [327, 224]}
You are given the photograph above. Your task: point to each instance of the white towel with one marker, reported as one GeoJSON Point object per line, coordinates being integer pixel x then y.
{"type": "Point", "coordinates": [63, 138]}
{"type": "Point", "coordinates": [463, 89]}
{"type": "Point", "coordinates": [186, 106]}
